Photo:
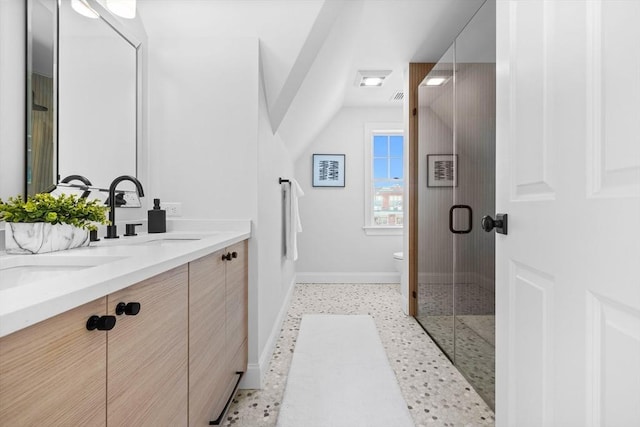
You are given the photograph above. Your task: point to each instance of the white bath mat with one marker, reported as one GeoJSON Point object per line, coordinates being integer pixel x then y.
{"type": "Point", "coordinates": [340, 377]}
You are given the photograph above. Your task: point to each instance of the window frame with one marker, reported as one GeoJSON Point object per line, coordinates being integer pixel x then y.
{"type": "Point", "coordinates": [372, 129]}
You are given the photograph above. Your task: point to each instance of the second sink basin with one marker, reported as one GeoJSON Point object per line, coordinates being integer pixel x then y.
{"type": "Point", "coordinates": [164, 242]}
{"type": "Point", "coordinates": [153, 239]}
{"type": "Point", "coordinates": [16, 270]}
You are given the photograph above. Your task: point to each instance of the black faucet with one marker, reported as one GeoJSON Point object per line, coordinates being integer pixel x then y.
{"type": "Point", "coordinates": [82, 179]}
{"type": "Point", "coordinates": [112, 230]}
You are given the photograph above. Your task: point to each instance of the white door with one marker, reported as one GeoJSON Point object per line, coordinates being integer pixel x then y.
{"type": "Point", "coordinates": [568, 176]}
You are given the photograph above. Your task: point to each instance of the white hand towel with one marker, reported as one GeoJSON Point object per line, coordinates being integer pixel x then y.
{"type": "Point", "coordinates": [292, 219]}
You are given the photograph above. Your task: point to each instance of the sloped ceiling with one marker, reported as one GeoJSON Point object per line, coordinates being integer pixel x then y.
{"type": "Point", "coordinates": [311, 50]}
{"type": "Point", "coordinates": [281, 25]}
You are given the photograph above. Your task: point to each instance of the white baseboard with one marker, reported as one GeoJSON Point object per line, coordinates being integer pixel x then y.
{"type": "Point", "coordinates": [358, 277]}
{"type": "Point", "coordinates": [254, 377]}
{"type": "Point", "coordinates": [251, 379]}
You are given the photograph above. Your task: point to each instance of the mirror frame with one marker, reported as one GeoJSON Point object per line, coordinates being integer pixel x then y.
{"type": "Point", "coordinates": [122, 29]}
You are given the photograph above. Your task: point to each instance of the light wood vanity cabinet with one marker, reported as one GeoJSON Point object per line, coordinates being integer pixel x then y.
{"type": "Point", "coordinates": [147, 353]}
{"type": "Point", "coordinates": [237, 302]}
{"type": "Point", "coordinates": [174, 363]}
{"type": "Point", "coordinates": [53, 373]}
{"type": "Point", "coordinates": [217, 330]}
{"type": "Point", "coordinates": [207, 376]}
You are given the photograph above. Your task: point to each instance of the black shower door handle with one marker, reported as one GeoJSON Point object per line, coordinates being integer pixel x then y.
{"type": "Point", "coordinates": [453, 208]}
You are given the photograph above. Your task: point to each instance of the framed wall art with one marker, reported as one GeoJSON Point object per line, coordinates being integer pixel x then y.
{"type": "Point", "coordinates": [442, 170]}
{"type": "Point", "coordinates": [328, 170]}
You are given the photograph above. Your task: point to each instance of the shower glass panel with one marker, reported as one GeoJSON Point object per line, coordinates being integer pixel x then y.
{"type": "Point", "coordinates": [456, 258]}
{"type": "Point", "coordinates": [435, 194]}
{"type": "Point", "coordinates": [474, 279]}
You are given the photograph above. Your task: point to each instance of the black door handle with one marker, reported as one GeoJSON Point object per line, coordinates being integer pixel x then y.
{"type": "Point", "coordinates": [453, 208]}
{"type": "Point", "coordinates": [500, 223]}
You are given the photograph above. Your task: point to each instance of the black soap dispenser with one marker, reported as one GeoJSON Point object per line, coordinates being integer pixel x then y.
{"type": "Point", "coordinates": [157, 218]}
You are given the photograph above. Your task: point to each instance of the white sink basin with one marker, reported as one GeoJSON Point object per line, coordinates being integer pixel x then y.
{"type": "Point", "coordinates": [16, 270]}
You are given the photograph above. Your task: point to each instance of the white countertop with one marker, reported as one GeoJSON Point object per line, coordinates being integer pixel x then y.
{"type": "Point", "coordinates": [130, 260]}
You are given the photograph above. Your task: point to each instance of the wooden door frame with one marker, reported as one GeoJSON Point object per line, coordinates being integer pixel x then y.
{"type": "Point", "coordinates": [417, 73]}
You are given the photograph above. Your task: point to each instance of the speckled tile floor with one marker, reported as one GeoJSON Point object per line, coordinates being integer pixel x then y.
{"type": "Point", "coordinates": [435, 392]}
{"type": "Point", "coordinates": [474, 347]}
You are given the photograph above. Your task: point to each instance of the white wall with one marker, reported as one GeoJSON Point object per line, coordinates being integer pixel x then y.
{"type": "Point", "coordinates": [203, 113]}
{"type": "Point", "coordinates": [333, 244]}
{"type": "Point", "coordinates": [12, 100]}
{"type": "Point", "coordinates": [276, 275]}
{"type": "Point", "coordinates": [213, 150]}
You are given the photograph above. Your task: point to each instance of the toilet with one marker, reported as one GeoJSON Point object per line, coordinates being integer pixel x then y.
{"type": "Point", "coordinates": [398, 261]}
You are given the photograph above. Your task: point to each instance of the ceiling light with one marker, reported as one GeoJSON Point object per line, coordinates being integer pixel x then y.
{"type": "Point", "coordinates": [372, 81]}
{"type": "Point", "coordinates": [435, 81]}
{"type": "Point", "coordinates": [371, 78]}
{"type": "Point", "coordinates": [84, 9]}
{"type": "Point", "coordinates": [123, 8]}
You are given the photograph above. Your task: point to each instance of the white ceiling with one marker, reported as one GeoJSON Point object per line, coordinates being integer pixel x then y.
{"type": "Point", "coordinates": [340, 37]}
{"type": "Point", "coordinates": [397, 32]}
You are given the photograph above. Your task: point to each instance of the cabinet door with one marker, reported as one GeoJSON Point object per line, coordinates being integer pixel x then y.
{"type": "Point", "coordinates": [147, 354]}
{"type": "Point", "coordinates": [54, 373]}
{"type": "Point", "coordinates": [237, 300]}
{"type": "Point", "coordinates": [208, 374]}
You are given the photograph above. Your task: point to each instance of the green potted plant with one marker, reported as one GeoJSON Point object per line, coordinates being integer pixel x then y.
{"type": "Point", "coordinates": [46, 223]}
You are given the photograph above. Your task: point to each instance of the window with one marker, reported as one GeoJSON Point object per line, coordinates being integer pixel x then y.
{"type": "Point", "coordinates": [384, 154]}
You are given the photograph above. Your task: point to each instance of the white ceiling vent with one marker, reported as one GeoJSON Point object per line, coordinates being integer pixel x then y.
{"type": "Point", "coordinates": [397, 96]}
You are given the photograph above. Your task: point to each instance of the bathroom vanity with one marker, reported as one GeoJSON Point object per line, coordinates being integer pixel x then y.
{"type": "Point", "coordinates": [174, 355]}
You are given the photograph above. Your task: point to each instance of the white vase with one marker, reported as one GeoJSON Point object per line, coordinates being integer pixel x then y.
{"type": "Point", "coordinates": [42, 237]}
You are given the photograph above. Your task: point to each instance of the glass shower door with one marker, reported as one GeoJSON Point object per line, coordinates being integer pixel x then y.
{"type": "Point", "coordinates": [474, 278]}
{"type": "Point", "coordinates": [435, 197]}
{"type": "Point", "coordinates": [456, 181]}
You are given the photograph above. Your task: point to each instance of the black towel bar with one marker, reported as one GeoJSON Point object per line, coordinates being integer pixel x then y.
{"type": "Point", "coordinates": [281, 180]}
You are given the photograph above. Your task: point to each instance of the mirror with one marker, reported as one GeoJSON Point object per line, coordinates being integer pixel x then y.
{"type": "Point", "coordinates": [41, 147]}
{"type": "Point", "coordinates": [88, 79]}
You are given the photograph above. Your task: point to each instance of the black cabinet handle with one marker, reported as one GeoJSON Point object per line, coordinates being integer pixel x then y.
{"type": "Point", "coordinates": [229, 256]}
{"type": "Point", "coordinates": [500, 223]}
{"type": "Point", "coordinates": [453, 208]}
{"type": "Point", "coordinates": [130, 309]}
{"type": "Point", "coordinates": [101, 323]}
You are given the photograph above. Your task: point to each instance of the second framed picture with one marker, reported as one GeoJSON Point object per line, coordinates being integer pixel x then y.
{"type": "Point", "coordinates": [442, 170]}
{"type": "Point", "coordinates": [328, 170]}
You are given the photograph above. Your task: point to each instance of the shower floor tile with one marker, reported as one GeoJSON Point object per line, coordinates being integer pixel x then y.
{"type": "Point", "coordinates": [435, 392]}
